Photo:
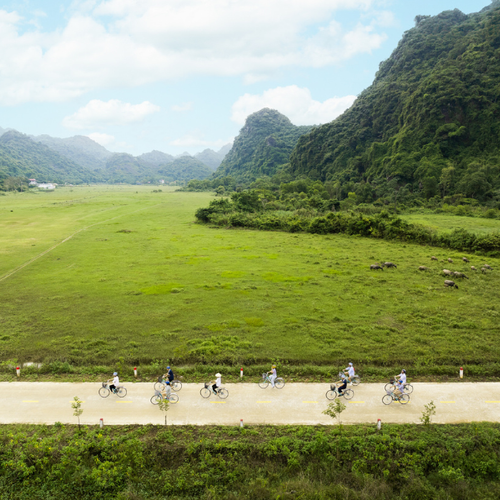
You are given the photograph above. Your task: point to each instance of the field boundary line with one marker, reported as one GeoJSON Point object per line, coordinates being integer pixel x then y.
{"type": "Point", "coordinates": [22, 266]}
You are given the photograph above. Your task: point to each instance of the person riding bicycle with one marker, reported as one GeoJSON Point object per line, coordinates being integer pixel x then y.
{"type": "Point", "coordinates": [343, 384]}
{"type": "Point", "coordinates": [116, 382]}
{"type": "Point", "coordinates": [401, 376]}
{"type": "Point", "coordinates": [169, 375]}
{"type": "Point", "coordinates": [350, 372]}
{"type": "Point", "coordinates": [216, 383]}
{"type": "Point", "coordinates": [273, 374]}
{"type": "Point", "coordinates": [167, 391]}
{"type": "Point", "coordinates": [400, 388]}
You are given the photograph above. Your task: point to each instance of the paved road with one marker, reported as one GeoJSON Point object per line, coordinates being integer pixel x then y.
{"type": "Point", "coordinates": [47, 402]}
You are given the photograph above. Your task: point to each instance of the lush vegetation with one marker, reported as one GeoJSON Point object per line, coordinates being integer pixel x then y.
{"type": "Point", "coordinates": [427, 126]}
{"type": "Point", "coordinates": [152, 462]}
{"type": "Point", "coordinates": [262, 147]}
{"type": "Point", "coordinates": [22, 157]}
{"type": "Point", "coordinates": [143, 283]}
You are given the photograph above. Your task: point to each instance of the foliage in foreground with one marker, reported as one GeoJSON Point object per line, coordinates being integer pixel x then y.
{"type": "Point", "coordinates": [400, 461]}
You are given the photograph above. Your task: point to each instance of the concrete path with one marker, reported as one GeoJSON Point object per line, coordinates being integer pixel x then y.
{"type": "Point", "coordinates": [47, 402]}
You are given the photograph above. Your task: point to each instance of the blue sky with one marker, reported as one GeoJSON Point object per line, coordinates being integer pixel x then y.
{"type": "Point", "coordinates": [182, 75]}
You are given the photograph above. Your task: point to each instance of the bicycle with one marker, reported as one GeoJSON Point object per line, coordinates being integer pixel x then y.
{"type": "Point", "coordinates": [279, 383]}
{"type": "Point", "coordinates": [159, 385]}
{"type": "Point", "coordinates": [390, 386]}
{"type": "Point", "coordinates": [105, 391]}
{"type": "Point", "coordinates": [334, 392]}
{"type": "Point", "coordinates": [355, 380]}
{"type": "Point", "coordinates": [158, 396]}
{"type": "Point", "coordinates": [390, 397]}
{"type": "Point", "coordinates": [206, 392]}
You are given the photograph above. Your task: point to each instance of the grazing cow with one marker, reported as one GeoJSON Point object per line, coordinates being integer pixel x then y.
{"type": "Point", "coordinates": [486, 266]}
{"type": "Point", "coordinates": [389, 264]}
{"type": "Point", "coordinates": [483, 270]}
{"type": "Point", "coordinates": [449, 283]}
{"type": "Point", "coordinates": [473, 268]}
{"type": "Point", "coordinates": [450, 261]}
{"type": "Point", "coordinates": [447, 272]}
{"type": "Point", "coordinates": [375, 267]}
{"type": "Point", "coordinates": [460, 275]}
{"type": "Point", "coordinates": [465, 259]}
{"type": "Point", "coordinates": [434, 258]}
{"type": "Point", "coordinates": [422, 268]}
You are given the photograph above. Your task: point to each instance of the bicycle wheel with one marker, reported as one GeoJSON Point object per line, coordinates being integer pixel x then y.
{"type": "Point", "coordinates": [156, 399]}
{"type": "Point", "coordinates": [173, 398]}
{"type": "Point", "coordinates": [104, 392]}
{"type": "Point", "coordinates": [223, 393]}
{"type": "Point", "coordinates": [388, 387]}
{"type": "Point", "coordinates": [159, 386]}
{"type": "Point", "coordinates": [176, 385]}
{"type": "Point", "coordinates": [205, 392]}
{"type": "Point", "coordinates": [408, 388]}
{"type": "Point", "coordinates": [404, 399]}
{"type": "Point", "coordinates": [331, 394]}
{"type": "Point", "coordinates": [121, 392]}
{"type": "Point", "coordinates": [264, 383]}
{"type": "Point", "coordinates": [387, 399]}
{"type": "Point", "coordinates": [355, 380]}
{"type": "Point", "coordinates": [348, 393]}
{"type": "Point", "coordinates": [279, 383]}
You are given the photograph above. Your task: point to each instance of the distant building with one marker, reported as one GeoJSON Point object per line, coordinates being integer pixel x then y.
{"type": "Point", "coordinates": [162, 181]}
{"type": "Point", "coordinates": [32, 182]}
{"type": "Point", "coordinates": [46, 185]}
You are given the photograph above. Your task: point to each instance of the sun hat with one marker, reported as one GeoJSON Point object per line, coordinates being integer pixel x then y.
{"type": "Point", "coordinates": [350, 364]}
{"type": "Point", "coordinates": [168, 367]}
{"type": "Point", "coordinates": [115, 373]}
{"type": "Point", "coordinates": [218, 375]}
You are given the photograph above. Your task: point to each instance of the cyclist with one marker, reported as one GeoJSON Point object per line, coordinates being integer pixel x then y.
{"type": "Point", "coordinates": [400, 388]}
{"type": "Point", "coordinates": [116, 382]}
{"type": "Point", "coordinates": [350, 372]}
{"type": "Point", "coordinates": [166, 391]}
{"type": "Point", "coordinates": [401, 376]}
{"type": "Point", "coordinates": [169, 375]}
{"type": "Point", "coordinates": [273, 374]}
{"type": "Point", "coordinates": [216, 383]}
{"type": "Point", "coordinates": [343, 382]}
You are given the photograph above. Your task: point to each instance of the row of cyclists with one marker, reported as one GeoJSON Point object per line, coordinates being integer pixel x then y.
{"type": "Point", "coordinates": [347, 376]}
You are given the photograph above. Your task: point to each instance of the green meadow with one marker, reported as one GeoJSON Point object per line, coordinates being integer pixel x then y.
{"type": "Point", "coordinates": [139, 281]}
{"type": "Point", "coordinates": [447, 223]}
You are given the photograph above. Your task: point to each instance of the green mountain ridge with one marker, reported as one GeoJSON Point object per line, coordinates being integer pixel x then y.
{"type": "Point", "coordinates": [262, 147]}
{"type": "Point", "coordinates": [21, 156]}
{"type": "Point", "coordinates": [430, 119]}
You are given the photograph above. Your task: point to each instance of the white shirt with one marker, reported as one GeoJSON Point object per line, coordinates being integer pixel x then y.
{"type": "Point", "coordinates": [168, 391]}
{"type": "Point", "coordinates": [116, 381]}
{"type": "Point", "coordinates": [401, 386]}
{"type": "Point", "coordinates": [350, 370]}
{"type": "Point", "coordinates": [273, 372]}
{"type": "Point", "coordinates": [402, 377]}
{"type": "Point", "coordinates": [218, 381]}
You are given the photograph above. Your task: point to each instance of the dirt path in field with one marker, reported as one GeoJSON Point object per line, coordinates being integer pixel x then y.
{"type": "Point", "coordinates": [302, 404]}
{"type": "Point", "coordinates": [22, 266]}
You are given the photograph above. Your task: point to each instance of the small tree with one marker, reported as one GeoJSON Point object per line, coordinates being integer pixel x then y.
{"type": "Point", "coordinates": [334, 410]}
{"type": "Point", "coordinates": [427, 414]}
{"type": "Point", "coordinates": [77, 407]}
{"type": "Point", "coordinates": [164, 405]}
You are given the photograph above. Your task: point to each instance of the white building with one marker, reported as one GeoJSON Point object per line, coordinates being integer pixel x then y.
{"type": "Point", "coordinates": [46, 185]}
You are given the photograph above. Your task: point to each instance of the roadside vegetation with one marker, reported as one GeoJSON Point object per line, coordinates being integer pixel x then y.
{"type": "Point", "coordinates": [267, 462]}
{"type": "Point", "coordinates": [141, 283]}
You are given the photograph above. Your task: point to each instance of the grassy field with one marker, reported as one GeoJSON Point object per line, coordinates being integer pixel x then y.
{"type": "Point", "coordinates": [140, 281]}
{"type": "Point", "coordinates": [445, 223]}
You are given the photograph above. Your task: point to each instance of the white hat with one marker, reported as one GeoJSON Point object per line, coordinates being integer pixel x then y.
{"type": "Point", "coordinates": [218, 375]}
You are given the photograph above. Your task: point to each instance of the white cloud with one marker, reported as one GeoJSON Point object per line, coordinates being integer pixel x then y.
{"type": "Point", "coordinates": [192, 141]}
{"type": "Point", "coordinates": [131, 43]}
{"type": "Point", "coordinates": [294, 102]}
{"type": "Point", "coordinates": [97, 114]}
{"type": "Point", "coordinates": [181, 108]}
{"type": "Point", "coordinates": [102, 139]}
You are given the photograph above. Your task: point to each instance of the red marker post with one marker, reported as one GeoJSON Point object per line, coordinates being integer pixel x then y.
{"type": "Point", "coordinates": [379, 424]}
{"type": "Point", "coordinates": [461, 372]}
{"type": "Point", "coordinates": [18, 371]}
{"type": "Point", "coordinates": [241, 373]}
{"type": "Point", "coordinates": [101, 423]}
{"type": "Point", "coordinates": [135, 371]}
{"type": "Point", "coordinates": [241, 422]}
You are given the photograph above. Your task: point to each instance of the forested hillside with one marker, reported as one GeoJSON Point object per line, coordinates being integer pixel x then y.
{"type": "Point", "coordinates": [21, 156]}
{"type": "Point", "coordinates": [429, 123]}
{"type": "Point", "coordinates": [263, 146]}
{"type": "Point", "coordinates": [155, 158]}
{"type": "Point", "coordinates": [184, 168]}
{"type": "Point", "coordinates": [80, 149]}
